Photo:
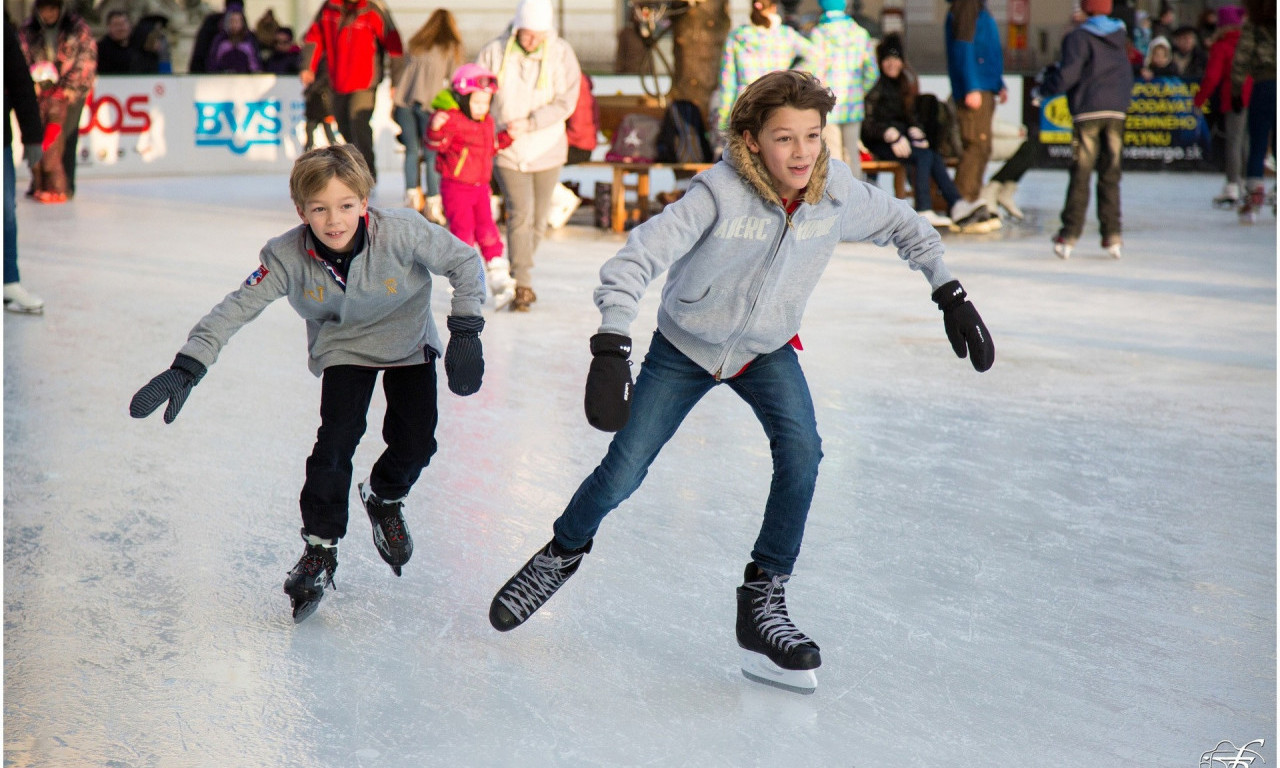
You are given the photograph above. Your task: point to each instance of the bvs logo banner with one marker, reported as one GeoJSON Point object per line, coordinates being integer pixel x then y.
{"type": "Point", "coordinates": [238, 126]}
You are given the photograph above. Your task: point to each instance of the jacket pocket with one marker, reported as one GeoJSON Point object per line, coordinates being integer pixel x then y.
{"type": "Point", "coordinates": [710, 316]}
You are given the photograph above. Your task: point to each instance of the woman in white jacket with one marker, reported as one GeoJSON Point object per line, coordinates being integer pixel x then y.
{"type": "Point", "coordinates": [538, 81]}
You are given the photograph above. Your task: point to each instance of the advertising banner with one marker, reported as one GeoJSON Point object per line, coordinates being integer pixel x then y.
{"type": "Point", "coordinates": [1163, 128]}
{"type": "Point", "coordinates": [144, 125]}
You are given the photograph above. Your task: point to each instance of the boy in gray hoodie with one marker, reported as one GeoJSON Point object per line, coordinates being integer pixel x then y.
{"type": "Point", "coordinates": [361, 279]}
{"type": "Point", "coordinates": [744, 249]}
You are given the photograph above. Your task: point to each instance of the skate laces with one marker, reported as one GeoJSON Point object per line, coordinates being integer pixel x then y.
{"type": "Point", "coordinates": [391, 521]}
{"type": "Point", "coordinates": [537, 582]}
{"type": "Point", "coordinates": [770, 613]}
{"type": "Point", "coordinates": [315, 559]}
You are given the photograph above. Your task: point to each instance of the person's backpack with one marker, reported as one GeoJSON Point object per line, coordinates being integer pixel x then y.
{"type": "Point", "coordinates": [937, 118]}
{"type": "Point", "coordinates": [635, 140]}
{"type": "Point", "coordinates": [683, 137]}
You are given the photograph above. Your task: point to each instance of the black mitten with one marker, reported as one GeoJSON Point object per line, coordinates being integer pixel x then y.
{"type": "Point", "coordinates": [173, 385]}
{"type": "Point", "coordinates": [608, 400]}
{"type": "Point", "coordinates": [464, 357]}
{"type": "Point", "coordinates": [965, 329]}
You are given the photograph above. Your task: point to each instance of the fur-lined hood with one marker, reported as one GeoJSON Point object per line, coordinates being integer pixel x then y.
{"type": "Point", "coordinates": [749, 165]}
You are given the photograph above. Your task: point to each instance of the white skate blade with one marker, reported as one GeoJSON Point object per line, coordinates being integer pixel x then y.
{"type": "Point", "coordinates": [758, 668]}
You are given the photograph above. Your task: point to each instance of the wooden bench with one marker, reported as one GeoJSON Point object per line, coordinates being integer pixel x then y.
{"type": "Point", "coordinates": [641, 171]}
{"type": "Point", "coordinates": [618, 199]}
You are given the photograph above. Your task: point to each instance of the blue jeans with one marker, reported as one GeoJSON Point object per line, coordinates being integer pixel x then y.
{"type": "Point", "coordinates": [668, 387]}
{"type": "Point", "coordinates": [1262, 126]}
{"type": "Point", "coordinates": [413, 122]}
{"type": "Point", "coordinates": [930, 166]}
{"type": "Point", "coordinates": [10, 219]}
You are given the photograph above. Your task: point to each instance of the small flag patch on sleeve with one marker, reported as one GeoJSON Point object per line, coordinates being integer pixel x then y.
{"type": "Point", "coordinates": [257, 276]}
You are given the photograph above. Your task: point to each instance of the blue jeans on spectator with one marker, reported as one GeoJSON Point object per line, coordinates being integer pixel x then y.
{"type": "Point", "coordinates": [10, 219]}
{"type": "Point", "coordinates": [667, 388]}
{"type": "Point", "coordinates": [927, 166]}
{"type": "Point", "coordinates": [413, 122]}
{"type": "Point", "coordinates": [1262, 126]}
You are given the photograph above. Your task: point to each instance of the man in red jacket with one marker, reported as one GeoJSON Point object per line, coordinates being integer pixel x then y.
{"type": "Point", "coordinates": [350, 36]}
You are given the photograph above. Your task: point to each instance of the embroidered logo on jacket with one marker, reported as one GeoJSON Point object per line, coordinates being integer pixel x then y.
{"type": "Point", "coordinates": [257, 276]}
{"type": "Point", "coordinates": [317, 294]}
{"type": "Point", "coordinates": [814, 228]}
{"type": "Point", "coordinates": [744, 228]}
{"type": "Point", "coordinates": [391, 286]}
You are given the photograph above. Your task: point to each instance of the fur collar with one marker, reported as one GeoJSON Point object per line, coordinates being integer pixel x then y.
{"type": "Point", "coordinates": [751, 168]}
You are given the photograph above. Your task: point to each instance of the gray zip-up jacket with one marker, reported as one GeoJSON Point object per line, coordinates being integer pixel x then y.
{"type": "Point", "coordinates": [383, 318]}
{"type": "Point", "coordinates": [741, 272]}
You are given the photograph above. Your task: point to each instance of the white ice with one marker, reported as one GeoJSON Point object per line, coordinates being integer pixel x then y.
{"type": "Point", "coordinates": [1069, 560]}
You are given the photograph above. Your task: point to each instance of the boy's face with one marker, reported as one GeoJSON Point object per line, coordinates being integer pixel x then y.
{"type": "Point", "coordinates": [1160, 56]}
{"type": "Point", "coordinates": [788, 145]}
{"type": "Point", "coordinates": [334, 215]}
{"type": "Point", "coordinates": [479, 102]}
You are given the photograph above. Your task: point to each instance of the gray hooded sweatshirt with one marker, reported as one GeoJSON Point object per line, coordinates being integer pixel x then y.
{"type": "Point", "coordinates": [383, 318]}
{"type": "Point", "coordinates": [741, 270]}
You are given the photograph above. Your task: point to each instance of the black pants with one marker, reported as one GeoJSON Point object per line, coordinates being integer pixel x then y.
{"type": "Point", "coordinates": [353, 111]}
{"type": "Point", "coordinates": [1095, 145]}
{"type": "Point", "coordinates": [409, 430]}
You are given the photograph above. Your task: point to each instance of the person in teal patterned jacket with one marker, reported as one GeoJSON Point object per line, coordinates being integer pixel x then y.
{"type": "Point", "coordinates": [755, 49]}
{"type": "Point", "coordinates": [848, 68]}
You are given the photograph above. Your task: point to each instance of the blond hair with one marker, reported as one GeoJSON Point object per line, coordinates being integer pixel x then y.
{"type": "Point", "coordinates": [781, 88]}
{"type": "Point", "coordinates": [313, 171]}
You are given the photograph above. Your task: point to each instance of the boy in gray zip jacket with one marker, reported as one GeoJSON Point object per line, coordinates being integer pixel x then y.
{"type": "Point", "coordinates": [361, 279]}
{"type": "Point", "coordinates": [744, 249]}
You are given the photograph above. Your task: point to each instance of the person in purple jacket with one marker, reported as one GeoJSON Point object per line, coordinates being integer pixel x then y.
{"type": "Point", "coordinates": [743, 249]}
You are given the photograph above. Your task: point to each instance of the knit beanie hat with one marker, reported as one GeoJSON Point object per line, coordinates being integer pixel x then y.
{"type": "Point", "coordinates": [1230, 16]}
{"type": "Point", "coordinates": [1096, 7]}
{"type": "Point", "coordinates": [890, 46]}
{"type": "Point", "coordinates": [534, 15]}
{"type": "Point", "coordinates": [829, 6]}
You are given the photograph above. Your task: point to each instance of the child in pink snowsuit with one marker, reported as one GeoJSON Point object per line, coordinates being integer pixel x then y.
{"type": "Point", "coordinates": [462, 136]}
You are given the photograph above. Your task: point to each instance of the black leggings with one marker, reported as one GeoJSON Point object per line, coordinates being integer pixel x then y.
{"type": "Point", "coordinates": [408, 428]}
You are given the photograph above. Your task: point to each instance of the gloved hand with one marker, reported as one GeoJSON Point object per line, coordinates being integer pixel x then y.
{"type": "Point", "coordinates": [32, 153]}
{"type": "Point", "coordinates": [897, 142]}
{"type": "Point", "coordinates": [608, 400]}
{"type": "Point", "coordinates": [965, 329]}
{"type": "Point", "coordinates": [464, 357]}
{"type": "Point", "coordinates": [173, 385]}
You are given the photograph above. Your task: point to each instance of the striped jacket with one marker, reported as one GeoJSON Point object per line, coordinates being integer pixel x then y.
{"type": "Point", "coordinates": [848, 65]}
{"type": "Point", "coordinates": [753, 51]}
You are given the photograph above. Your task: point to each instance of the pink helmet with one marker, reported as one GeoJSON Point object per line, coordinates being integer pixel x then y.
{"type": "Point", "coordinates": [470, 78]}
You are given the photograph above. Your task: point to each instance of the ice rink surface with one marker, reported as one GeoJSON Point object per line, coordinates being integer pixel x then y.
{"type": "Point", "coordinates": [1069, 560]}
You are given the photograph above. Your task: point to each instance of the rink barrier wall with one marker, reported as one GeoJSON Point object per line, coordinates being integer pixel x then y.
{"type": "Point", "coordinates": [145, 125]}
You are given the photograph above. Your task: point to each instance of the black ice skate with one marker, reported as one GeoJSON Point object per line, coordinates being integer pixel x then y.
{"type": "Point", "coordinates": [774, 652]}
{"type": "Point", "coordinates": [533, 585]}
{"type": "Point", "coordinates": [390, 534]}
{"type": "Point", "coordinates": [314, 571]}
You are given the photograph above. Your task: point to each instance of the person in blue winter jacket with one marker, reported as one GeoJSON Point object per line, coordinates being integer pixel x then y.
{"type": "Point", "coordinates": [975, 66]}
{"type": "Point", "coordinates": [1095, 73]}
{"type": "Point", "coordinates": [743, 249]}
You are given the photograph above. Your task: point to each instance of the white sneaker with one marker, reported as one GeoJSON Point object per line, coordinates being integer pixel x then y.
{"type": "Point", "coordinates": [17, 299]}
{"type": "Point", "coordinates": [935, 219]}
{"type": "Point", "coordinates": [968, 211]}
{"type": "Point", "coordinates": [433, 209]}
{"type": "Point", "coordinates": [501, 284]}
{"type": "Point", "coordinates": [413, 198]}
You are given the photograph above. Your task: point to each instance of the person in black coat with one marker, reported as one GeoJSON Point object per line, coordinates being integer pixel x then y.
{"type": "Point", "coordinates": [19, 99]}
